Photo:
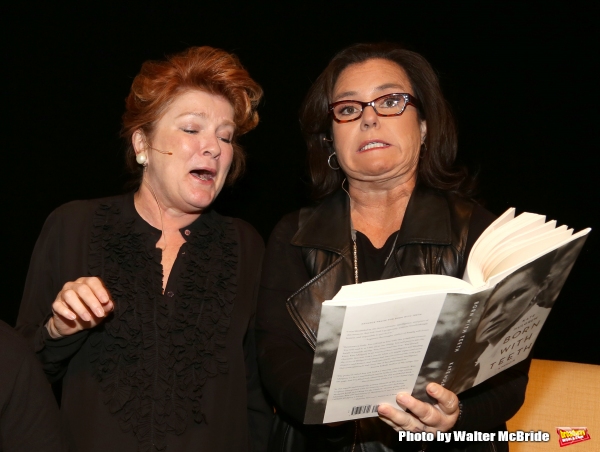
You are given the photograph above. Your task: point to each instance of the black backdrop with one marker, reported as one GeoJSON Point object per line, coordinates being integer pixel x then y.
{"type": "Point", "coordinates": [522, 80]}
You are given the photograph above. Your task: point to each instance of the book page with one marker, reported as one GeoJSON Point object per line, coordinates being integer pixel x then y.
{"type": "Point", "coordinates": [486, 244]}
{"type": "Point", "coordinates": [507, 216]}
{"type": "Point", "coordinates": [369, 292]}
{"type": "Point", "coordinates": [514, 247]}
{"type": "Point", "coordinates": [381, 348]}
{"type": "Point", "coordinates": [531, 253]}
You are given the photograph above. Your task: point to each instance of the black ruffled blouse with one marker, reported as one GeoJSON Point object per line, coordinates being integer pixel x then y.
{"type": "Point", "coordinates": [173, 371]}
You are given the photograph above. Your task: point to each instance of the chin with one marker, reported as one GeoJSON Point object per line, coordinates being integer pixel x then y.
{"type": "Point", "coordinates": [201, 201]}
{"type": "Point", "coordinates": [384, 167]}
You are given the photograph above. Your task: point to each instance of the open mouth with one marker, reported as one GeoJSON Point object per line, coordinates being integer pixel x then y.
{"type": "Point", "coordinates": [373, 145]}
{"type": "Point", "coordinates": [204, 174]}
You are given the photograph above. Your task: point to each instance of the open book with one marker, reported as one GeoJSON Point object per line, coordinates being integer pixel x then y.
{"type": "Point", "coordinates": [378, 338]}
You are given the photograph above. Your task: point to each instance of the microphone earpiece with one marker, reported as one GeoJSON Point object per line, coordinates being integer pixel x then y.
{"type": "Point", "coordinates": [158, 150]}
{"type": "Point", "coordinates": [162, 152]}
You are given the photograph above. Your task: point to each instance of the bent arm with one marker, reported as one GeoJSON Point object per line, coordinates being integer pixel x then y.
{"type": "Point", "coordinates": [56, 259]}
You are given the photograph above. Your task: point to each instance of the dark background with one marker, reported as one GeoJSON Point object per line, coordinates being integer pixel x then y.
{"type": "Point", "coordinates": [522, 80]}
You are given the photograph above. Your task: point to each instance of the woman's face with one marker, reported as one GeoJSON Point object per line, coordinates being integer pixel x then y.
{"type": "Point", "coordinates": [508, 303]}
{"type": "Point", "coordinates": [197, 128]}
{"type": "Point", "coordinates": [375, 148]}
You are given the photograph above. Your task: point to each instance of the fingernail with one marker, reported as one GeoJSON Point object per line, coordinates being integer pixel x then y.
{"type": "Point", "coordinates": [402, 398]}
{"type": "Point", "coordinates": [86, 317]}
{"type": "Point", "coordinates": [99, 312]}
{"type": "Point", "coordinates": [71, 316]}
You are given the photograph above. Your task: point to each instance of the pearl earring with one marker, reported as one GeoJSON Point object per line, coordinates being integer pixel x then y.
{"type": "Point", "coordinates": [141, 159]}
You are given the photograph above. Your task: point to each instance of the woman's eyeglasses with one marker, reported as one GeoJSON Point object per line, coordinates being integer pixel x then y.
{"type": "Point", "coordinates": [389, 105]}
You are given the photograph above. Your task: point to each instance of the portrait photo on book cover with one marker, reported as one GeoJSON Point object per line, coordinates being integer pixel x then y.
{"type": "Point", "coordinates": [499, 325]}
{"type": "Point", "coordinates": [515, 311]}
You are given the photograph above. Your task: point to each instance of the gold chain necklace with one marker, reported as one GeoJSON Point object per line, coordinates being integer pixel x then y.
{"type": "Point", "coordinates": [354, 251]}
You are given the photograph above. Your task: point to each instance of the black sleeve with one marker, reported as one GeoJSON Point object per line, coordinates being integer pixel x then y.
{"type": "Point", "coordinates": [260, 414]}
{"type": "Point", "coordinates": [491, 403]}
{"type": "Point", "coordinates": [54, 262]}
{"type": "Point", "coordinates": [29, 418]}
{"type": "Point", "coordinates": [285, 358]}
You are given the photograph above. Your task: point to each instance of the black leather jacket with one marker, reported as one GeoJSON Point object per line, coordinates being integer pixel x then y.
{"type": "Point", "coordinates": [435, 238]}
{"type": "Point", "coordinates": [432, 240]}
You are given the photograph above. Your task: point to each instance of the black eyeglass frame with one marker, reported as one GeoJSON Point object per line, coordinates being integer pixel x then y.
{"type": "Point", "coordinates": [409, 99]}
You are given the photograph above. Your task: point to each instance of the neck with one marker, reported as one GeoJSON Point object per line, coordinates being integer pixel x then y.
{"type": "Point", "coordinates": [156, 212]}
{"type": "Point", "coordinates": [377, 210]}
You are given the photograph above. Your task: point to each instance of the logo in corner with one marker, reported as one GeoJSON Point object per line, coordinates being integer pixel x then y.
{"type": "Point", "coordinates": [571, 435]}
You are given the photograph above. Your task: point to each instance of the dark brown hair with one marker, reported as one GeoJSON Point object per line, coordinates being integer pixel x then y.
{"type": "Point", "coordinates": [436, 163]}
{"type": "Point", "coordinates": [197, 68]}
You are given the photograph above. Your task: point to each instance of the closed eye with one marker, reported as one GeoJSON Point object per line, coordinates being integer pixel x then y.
{"type": "Point", "coordinates": [190, 131]}
{"type": "Point", "coordinates": [225, 140]}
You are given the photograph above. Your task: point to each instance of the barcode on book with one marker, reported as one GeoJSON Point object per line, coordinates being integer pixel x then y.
{"type": "Point", "coordinates": [361, 409]}
{"type": "Point", "coordinates": [364, 409]}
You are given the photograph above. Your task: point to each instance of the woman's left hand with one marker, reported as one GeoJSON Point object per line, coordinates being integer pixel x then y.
{"type": "Point", "coordinates": [423, 417]}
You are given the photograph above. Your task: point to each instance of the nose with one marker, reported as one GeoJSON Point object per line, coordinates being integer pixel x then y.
{"type": "Point", "coordinates": [212, 147]}
{"type": "Point", "coordinates": [494, 311]}
{"type": "Point", "coordinates": [369, 117]}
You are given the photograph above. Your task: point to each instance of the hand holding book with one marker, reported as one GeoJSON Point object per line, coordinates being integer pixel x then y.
{"type": "Point", "coordinates": [422, 416]}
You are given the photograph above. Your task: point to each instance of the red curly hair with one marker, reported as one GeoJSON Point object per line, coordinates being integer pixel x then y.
{"type": "Point", "coordinates": [197, 68]}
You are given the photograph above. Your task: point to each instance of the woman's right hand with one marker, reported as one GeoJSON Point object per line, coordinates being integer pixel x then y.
{"type": "Point", "coordinates": [80, 305]}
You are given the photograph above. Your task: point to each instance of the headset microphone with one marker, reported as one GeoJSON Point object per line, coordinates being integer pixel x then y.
{"type": "Point", "coordinates": [162, 152]}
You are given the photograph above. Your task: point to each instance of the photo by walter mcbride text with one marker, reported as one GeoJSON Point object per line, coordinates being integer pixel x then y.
{"type": "Point", "coordinates": [475, 436]}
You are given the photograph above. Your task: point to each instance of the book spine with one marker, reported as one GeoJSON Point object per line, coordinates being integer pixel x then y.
{"type": "Point", "coordinates": [449, 343]}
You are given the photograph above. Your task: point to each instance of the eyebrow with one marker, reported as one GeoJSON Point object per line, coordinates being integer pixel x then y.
{"type": "Point", "coordinates": [379, 88]}
{"type": "Point", "coordinates": [192, 113]}
{"type": "Point", "coordinates": [202, 115]}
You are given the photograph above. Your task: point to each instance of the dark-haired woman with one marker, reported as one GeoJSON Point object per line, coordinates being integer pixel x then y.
{"type": "Point", "coordinates": [144, 303]}
{"type": "Point", "coordinates": [381, 146]}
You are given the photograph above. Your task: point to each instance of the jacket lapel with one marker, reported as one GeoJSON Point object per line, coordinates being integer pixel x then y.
{"type": "Point", "coordinates": [328, 226]}
{"type": "Point", "coordinates": [324, 235]}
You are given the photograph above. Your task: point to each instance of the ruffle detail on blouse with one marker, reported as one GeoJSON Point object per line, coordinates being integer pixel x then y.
{"type": "Point", "coordinates": [153, 355]}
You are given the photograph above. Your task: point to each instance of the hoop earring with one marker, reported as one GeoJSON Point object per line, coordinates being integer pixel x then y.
{"type": "Point", "coordinates": [329, 161]}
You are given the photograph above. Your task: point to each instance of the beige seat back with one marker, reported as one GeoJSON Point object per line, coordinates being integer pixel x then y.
{"type": "Point", "coordinates": [559, 394]}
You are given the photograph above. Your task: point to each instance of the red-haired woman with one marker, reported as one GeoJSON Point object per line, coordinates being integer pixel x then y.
{"type": "Point", "coordinates": [143, 303]}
